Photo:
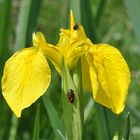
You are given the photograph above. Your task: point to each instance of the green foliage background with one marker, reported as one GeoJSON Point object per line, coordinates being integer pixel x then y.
{"type": "Point", "coordinates": [114, 22]}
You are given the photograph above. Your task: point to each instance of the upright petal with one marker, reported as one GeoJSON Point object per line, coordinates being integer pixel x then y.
{"type": "Point", "coordinates": [39, 40]}
{"type": "Point", "coordinates": [72, 20]}
{"type": "Point", "coordinates": [110, 76]}
{"type": "Point", "coordinates": [26, 77]}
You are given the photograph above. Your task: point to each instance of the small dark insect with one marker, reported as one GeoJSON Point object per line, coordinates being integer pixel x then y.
{"type": "Point", "coordinates": [70, 94]}
{"type": "Point", "coordinates": [76, 26]}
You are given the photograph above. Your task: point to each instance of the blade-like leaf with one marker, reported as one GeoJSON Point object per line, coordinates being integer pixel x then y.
{"type": "Point", "coordinates": [102, 123]}
{"type": "Point", "coordinates": [88, 20]}
{"type": "Point", "coordinates": [55, 120]}
{"type": "Point", "coordinates": [88, 109]}
{"type": "Point", "coordinates": [13, 129]}
{"type": "Point", "coordinates": [133, 7]}
{"type": "Point", "coordinates": [32, 20]}
{"type": "Point", "coordinates": [127, 128]}
{"type": "Point", "coordinates": [5, 8]}
{"type": "Point", "coordinates": [100, 10]}
{"type": "Point", "coordinates": [135, 114]}
{"type": "Point", "coordinates": [22, 25]}
{"type": "Point", "coordinates": [37, 124]}
{"type": "Point", "coordinates": [75, 6]}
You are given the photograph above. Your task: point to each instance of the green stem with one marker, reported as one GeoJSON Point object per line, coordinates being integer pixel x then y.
{"type": "Point", "coordinates": [72, 111]}
{"type": "Point", "coordinates": [77, 79]}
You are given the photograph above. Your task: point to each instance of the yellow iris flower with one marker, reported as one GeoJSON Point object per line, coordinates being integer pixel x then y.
{"type": "Point", "coordinates": [105, 73]}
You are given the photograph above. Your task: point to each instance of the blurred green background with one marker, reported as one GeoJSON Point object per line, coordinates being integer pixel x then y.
{"type": "Point", "coordinates": [114, 22]}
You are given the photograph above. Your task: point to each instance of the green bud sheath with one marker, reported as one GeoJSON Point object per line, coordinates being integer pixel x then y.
{"type": "Point", "coordinates": [72, 102]}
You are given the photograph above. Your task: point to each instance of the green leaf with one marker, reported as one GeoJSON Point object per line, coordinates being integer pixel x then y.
{"type": "Point", "coordinates": [76, 8]}
{"type": "Point", "coordinates": [37, 124]}
{"type": "Point", "coordinates": [100, 10]}
{"type": "Point", "coordinates": [28, 13]}
{"type": "Point", "coordinates": [32, 20]}
{"type": "Point", "coordinates": [55, 120]}
{"type": "Point", "coordinates": [72, 112]}
{"type": "Point", "coordinates": [134, 113]}
{"type": "Point", "coordinates": [5, 9]}
{"type": "Point", "coordinates": [102, 123]}
{"type": "Point", "coordinates": [13, 129]}
{"type": "Point", "coordinates": [22, 25]}
{"type": "Point", "coordinates": [133, 7]}
{"type": "Point", "coordinates": [88, 20]}
{"type": "Point", "coordinates": [116, 137]}
{"type": "Point", "coordinates": [88, 109]}
{"type": "Point", "coordinates": [127, 128]}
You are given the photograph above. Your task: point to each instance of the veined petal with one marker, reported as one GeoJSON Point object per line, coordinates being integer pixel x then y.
{"type": "Point", "coordinates": [86, 82]}
{"type": "Point", "coordinates": [54, 54]}
{"type": "Point", "coordinates": [110, 76]}
{"type": "Point", "coordinates": [26, 77]}
{"type": "Point", "coordinates": [51, 52]}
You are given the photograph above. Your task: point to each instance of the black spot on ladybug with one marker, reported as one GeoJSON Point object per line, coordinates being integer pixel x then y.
{"type": "Point", "coordinates": [76, 26]}
{"type": "Point", "coordinates": [70, 95]}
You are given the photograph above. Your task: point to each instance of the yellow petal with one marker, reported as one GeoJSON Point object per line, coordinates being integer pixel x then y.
{"type": "Point", "coordinates": [110, 76]}
{"type": "Point", "coordinates": [54, 54]}
{"type": "Point", "coordinates": [38, 40]}
{"type": "Point", "coordinates": [64, 42]}
{"type": "Point", "coordinates": [51, 52]}
{"type": "Point", "coordinates": [86, 82]}
{"type": "Point", "coordinates": [72, 21]}
{"type": "Point", "coordinates": [78, 36]}
{"type": "Point", "coordinates": [74, 55]}
{"type": "Point", "coordinates": [26, 77]}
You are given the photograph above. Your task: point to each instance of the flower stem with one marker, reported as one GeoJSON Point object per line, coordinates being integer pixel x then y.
{"type": "Point", "coordinates": [72, 111]}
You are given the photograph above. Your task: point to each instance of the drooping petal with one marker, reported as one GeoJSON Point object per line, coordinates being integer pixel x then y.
{"type": "Point", "coordinates": [26, 77]}
{"type": "Point", "coordinates": [55, 56]}
{"type": "Point", "coordinates": [110, 76]}
{"type": "Point", "coordinates": [51, 52]}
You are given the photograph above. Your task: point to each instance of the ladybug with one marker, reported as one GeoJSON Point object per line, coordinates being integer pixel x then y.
{"type": "Point", "coordinates": [70, 95]}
